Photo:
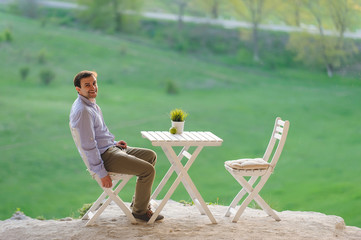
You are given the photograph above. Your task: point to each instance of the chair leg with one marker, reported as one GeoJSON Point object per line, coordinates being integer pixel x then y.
{"type": "Point", "coordinates": [239, 196]}
{"type": "Point", "coordinates": [94, 206]}
{"type": "Point", "coordinates": [100, 205]}
{"type": "Point", "coordinates": [98, 212]}
{"type": "Point", "coordinates": [253, 193]}
{"type": "Point", "coordinates": [235, 202]}
{"type": "Point", "coordinates": [266, 208]}
{"type": "Point", "coordinates": [120, 203]}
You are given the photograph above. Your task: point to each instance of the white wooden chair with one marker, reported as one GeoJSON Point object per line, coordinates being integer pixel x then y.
{"type": "Point", "coordinates": [109, 194]}
{"type": "Point", "coordinates": [257, 168]}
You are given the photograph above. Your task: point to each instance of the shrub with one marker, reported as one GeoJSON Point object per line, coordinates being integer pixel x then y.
{"type": "Point", "coordinates": [7, 35]}
{"type": "Point", "coordinates": [123, 50]}
{"type": "Point", "coordinates": [47, 76]}
{"type": "Point", "coordinates": [82, 211]}
{"type": "Point", "coordinates": [42, 218]}
{"type": "Point", "coordinates": [171, 87]}
{"type": "Point", "coordinates": [24, 72]}
{"type": "Point", "coordinates": [42, 56]}
{"type": "Point", "coordinates": [28, 8]}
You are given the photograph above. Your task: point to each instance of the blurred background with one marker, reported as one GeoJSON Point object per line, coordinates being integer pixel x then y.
{"type": "Point", "coordinates": [233, 65]}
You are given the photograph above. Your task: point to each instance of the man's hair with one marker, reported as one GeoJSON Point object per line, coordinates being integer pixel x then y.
{"type": "Point", "coordinates": [83, 74]}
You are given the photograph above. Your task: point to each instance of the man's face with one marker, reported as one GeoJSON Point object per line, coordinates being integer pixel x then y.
{"type": "Point", "coordinates": [89, 87]}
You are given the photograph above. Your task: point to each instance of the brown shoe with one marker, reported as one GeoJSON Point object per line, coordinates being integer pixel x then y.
{"type": "Point", "coordinates": [147, 216]}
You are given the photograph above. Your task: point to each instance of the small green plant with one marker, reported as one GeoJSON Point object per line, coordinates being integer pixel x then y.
{"type": "Point", "coordinates": [19, 210]}
{"type": "Point", "coordinates": [42, 56]}
{"type": "Point", "coordinates": [214, 203]}
{"type": "Point", "coordinates": [82, 211]}
{"type": "Point", "coordinates": [171, 87]}
{"type": "Point", "coordinates": [42, 218]}
{"type": "Point", "coordinates": [24, 72]}
{"type": "Point", "coordinates": [178, 115]}
{"type": "Point", "coordinates": [8, 36]}
{"type": "Point", "coordinates": [47, 76]}
{"type": "Point", "coordinates": [185, 203]}
{"type": "Point", "coordinates": [123, 50]}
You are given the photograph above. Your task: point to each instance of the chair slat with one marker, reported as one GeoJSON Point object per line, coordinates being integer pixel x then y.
{"type": "Point", "coordinates": [279, 129]}
{"type": "Point", "coordinates": [281, 122]}
{"type": "Point", "coordinates": [278, 136]}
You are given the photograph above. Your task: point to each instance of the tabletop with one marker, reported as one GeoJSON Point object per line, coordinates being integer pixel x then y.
{"type": "Point", "coordinates": [194, 138]}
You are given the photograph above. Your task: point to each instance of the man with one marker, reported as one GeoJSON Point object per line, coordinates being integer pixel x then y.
{"type": "Point", "coordinates": [103, 153]}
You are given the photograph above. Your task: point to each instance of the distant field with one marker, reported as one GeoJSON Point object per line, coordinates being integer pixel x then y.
{"type": "Point", "coordinates": [42, 173]}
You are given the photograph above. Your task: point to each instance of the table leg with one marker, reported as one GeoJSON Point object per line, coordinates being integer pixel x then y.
{"type": "Point", "coordinates": [186, 180]}
{"type": "Point", "coordinates": [191, 158]}
{"type": "Point", "coordinates": [167, 176]}
{"type": "Point", "coordinates": [165, 199]}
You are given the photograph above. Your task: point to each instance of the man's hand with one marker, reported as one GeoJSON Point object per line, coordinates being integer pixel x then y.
{"type": "Point", "coordinates": [106, 181]}
{"type": "Point", "coordinates": [121, 144]}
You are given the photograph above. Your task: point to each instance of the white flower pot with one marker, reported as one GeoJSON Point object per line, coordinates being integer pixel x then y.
{"type": "Point", "coordinates": [179, 126]}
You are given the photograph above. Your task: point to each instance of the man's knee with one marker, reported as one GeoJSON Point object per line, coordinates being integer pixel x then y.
{"type": "Point", "coordinates": [153, 157]}
{"type": "Point", "coordinates": [149, 171]}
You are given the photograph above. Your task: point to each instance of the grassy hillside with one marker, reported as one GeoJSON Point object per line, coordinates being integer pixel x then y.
{"type": "Point", "coordinates": [43, 174]}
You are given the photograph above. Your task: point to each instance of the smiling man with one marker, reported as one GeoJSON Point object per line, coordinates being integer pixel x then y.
{"type": "Point", "coordinates": [106, 155]}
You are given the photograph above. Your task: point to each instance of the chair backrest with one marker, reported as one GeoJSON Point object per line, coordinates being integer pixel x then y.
{"type": "Point", "coordinates": [76, 138]}
{"type": "Point", "coordinates": [277, 141]}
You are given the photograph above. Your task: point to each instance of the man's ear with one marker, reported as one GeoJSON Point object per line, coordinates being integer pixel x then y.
{"type": "Point", "coordinates": [77, 89]}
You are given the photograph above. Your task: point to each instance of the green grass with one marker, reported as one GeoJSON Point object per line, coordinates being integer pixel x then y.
{"type": "Point", "coordinates": [42, 173]}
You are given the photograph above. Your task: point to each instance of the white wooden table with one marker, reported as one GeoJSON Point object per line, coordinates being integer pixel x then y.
{"type": "Point", "coordinates": [186, 140]}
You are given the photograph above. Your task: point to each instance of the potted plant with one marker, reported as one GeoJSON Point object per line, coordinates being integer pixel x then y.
{"type": "Point", "coordinates": [178, 117]}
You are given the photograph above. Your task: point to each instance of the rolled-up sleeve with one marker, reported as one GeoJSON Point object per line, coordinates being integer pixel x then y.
{"type": "Point", "coordinates": [84, 122]}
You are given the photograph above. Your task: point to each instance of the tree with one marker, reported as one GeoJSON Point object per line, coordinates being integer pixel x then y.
{"type": "Point", "coordinates": [211, 6]}
{"type": "Point", "coordinates": [28, 8]}
{"type": "Point", "coordinates": [112, 15]}
{"type": "Point", "coordinates": [344, 16]}
{"type": "Point", "coordinates": [330, 51]}
{"type": "Point", "coordinates": [291, 12]}
{"type": "Point", "coordinates": [255, 12]}
{"type": "Point", "coordinates": [181, 4]}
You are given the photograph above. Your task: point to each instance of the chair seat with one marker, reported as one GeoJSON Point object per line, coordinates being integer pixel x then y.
{"type": "Point", "coordinates": [247, 164]}
{"type": "Point", "coordinates": [117, 176]}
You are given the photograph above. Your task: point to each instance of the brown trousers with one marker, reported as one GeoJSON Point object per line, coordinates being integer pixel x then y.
{"type": "Point", "coordinates": [134, 161]}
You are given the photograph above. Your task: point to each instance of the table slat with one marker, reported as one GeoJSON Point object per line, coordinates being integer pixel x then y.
{"type": "Point", "coordinates": [207, 137]}
{"type": "Point", "coordinates": [196, 137]}
{"type": "Point", "coordinates": [193, 136]}
{"type": "Point", "coordinates": [148, 135]}
{"type": "Point", "coordinates": [214, 136]}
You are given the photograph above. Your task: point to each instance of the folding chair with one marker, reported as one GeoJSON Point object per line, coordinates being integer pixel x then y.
{"type": "Point", "coordinates": [109, 194]}
{"type": "Point", "coordinates": [257, 168]}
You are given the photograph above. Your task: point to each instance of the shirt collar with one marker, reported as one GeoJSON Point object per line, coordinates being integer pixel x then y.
{"type": "Point", "coordinates": [86, 101]}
